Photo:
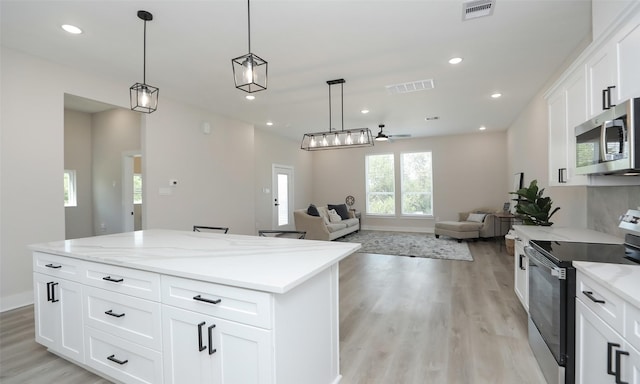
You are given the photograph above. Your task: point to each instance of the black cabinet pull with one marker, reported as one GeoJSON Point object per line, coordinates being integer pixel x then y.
{"type": "Point", "coordinates": [113, 358]}
{"type": "Point", "coordinates": [200, 298]}
{"type": "Point", "coordinates": [49, 290]}
{"type": "Point", "coordinates": [604, 99]}
{"type": "Point", "coordinates": [210, 330]}
{"type": "Point", "coordinates": [561, 175]}
{"type": "Point", "coordinates": [520, 257]}
{"type": "Point", "coordinates": [53, 291]}
{"type": "Point", "coordinates": [609, 96]}
{"type": "Point", "coordinates": [589, 294]}
{"type": "Point", "coordinates": [200, 346]}
{"type": "Point", "coordinates": [109, 278]}
{"type": "Point", "coordinates": [53, 266]}
{"type": "Point", "coordinates": [610, 347]}
{"type": "Point", "coordinates": [618, 366]}
{"type": "Point", "coordinates": [111, 313]}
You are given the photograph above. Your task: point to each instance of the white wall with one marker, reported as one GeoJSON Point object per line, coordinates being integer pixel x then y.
{"type": "Point", "coordinates": [77, 156]}
{"type": "Point", "coordinates": [216, 172]}
{"type": "Point", "coordinates": [469, 172]}
{"type": "Point", "coordinates": [269, 150]}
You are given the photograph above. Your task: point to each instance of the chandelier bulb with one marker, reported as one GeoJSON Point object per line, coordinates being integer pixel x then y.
{"type": "Point", "coordinates": [312, 142]}
{"type": "Point", "coordinates": [349, 141]}
{"type": "Point", "coordinates": [324, 141]}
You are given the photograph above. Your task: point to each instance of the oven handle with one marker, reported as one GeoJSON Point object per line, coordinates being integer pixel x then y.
{"type": "Point", "coordinates": [540, 261]}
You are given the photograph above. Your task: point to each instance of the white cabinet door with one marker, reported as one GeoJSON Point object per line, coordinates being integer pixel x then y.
{"type": "Point", "coordinates": [630, 370]}
{"type": "Point", "coordinates": [521, 284]}
{"type": "Point", "coordinates": [601, 76]}
{"type": "Point", "coordinates": [205, 349]}
{"type": "Point", "coordinates": [596, 344]}
{"type": "Point", "coordinates": [58, 315]}
{"type": "Point", "coordinates": [557, 109]}
{"type": "Point", "coordinates": [576, 102]}
{"type": "Point", "coordinates": [627, 51]}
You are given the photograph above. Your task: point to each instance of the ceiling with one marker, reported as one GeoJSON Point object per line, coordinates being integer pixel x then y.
{"type": "Point", "coordinates": [371, 44]}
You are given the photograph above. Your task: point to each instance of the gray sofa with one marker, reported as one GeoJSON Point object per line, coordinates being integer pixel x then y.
{"type": "Point", "coordinates": [467, 229]}
{"type": "Point", "coordinates": [320, 228]}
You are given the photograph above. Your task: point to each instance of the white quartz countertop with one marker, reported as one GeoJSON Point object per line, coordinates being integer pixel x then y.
{"type": "Point", "coordinates": [554, 233]}
{"type": "Point", "coordinates": [260, 263]}
{"type": "Point", "coordinates": [622, 279]}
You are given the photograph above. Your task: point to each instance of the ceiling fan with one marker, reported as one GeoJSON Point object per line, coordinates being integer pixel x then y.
{"type": "Point", "coordinates": [382, 137]}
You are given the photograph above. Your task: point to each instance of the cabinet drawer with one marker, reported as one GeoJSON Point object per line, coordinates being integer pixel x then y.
{"type": "Point", "coordinates": [607, 305]}
{"type": "Point", "coordinates": [121, 359]}
{"type": "Point", "coordinates": [632, 325]}
{"type": "Point", "coordinates": [61, 266]}
{"type": "Point", "coordinates": [231, 303]}
{"type": "Point", "coordinates": [142, 284]}
{"type": "Point", "coordinates": [134, 319]}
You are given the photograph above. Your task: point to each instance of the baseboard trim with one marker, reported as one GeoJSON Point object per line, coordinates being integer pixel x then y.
{"type": "Point", "coordinates": [397, 229]}
{"type": "Point", "coordinates": [23, 299]}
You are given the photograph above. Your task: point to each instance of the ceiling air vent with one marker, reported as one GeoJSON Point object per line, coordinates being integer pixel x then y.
{"type": "Point", "coordinates": [479, 8]}
{"type": "Point", "coordinates": [413, 86]}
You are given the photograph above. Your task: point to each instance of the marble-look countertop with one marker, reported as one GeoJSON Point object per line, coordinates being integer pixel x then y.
{"type": "Point", "coordinates": [622, 279]}
{"type": "Point", "coordinates": [260, 263]}
{"type": "Point", "coordinates": [555, 233]}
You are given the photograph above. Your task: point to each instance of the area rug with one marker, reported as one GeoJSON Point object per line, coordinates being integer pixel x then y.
{"type": "Point", "coordinates": [409, 244]}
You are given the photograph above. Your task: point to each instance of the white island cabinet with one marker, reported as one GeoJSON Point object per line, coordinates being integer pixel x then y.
{"type": "Point", "coordinates": [161, 306]}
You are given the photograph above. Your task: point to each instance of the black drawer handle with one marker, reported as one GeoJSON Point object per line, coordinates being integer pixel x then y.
{"type": "Point", "coordinates": [200, 346]}
{"type": "Point", "coordinates": [610, 347]}
{"type": "Point", "coordinates": [111, 313]}
{"type": "Point", "coordinates": [53, 266]}
{"type": "Point", "coordinates": [520, 257]}
{"type": "Point", "coordinates": [113, 358]}
{"type": "Point", "coordinates": [619, 368]}
{"type": "Point", "coordinates": [109, 278]}
{"type": "Point", "coordinates": [200, 298]}
{"type": "Point", "coordinates": [589, 294]}
{"type": "Point", "coordinates": [210, 330]}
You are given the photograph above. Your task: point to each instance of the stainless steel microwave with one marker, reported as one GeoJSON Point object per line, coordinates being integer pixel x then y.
{"type": "Point", "coordinates": [609, 143]}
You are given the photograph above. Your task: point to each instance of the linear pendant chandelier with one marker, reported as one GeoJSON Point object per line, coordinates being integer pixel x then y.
{"type": "Point", "coordinates": [249, 71]}
{"type": "Point", "coordinates": [334, 139]}
{"type": "Point", "coordinates": [144, 97]}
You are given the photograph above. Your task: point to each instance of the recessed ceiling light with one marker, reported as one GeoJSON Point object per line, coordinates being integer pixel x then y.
{"type": "Point", "coordinates": [364, 111]}
{"type": "Point", "coordinates": [269, 123]}
{"type": "Point", "coordinates": [482, 128]}
{"type": "Point", "coordinates": [496, 95]}
{"type": "Point", "coordinates": [455, 60]}
{"type": "Point", "coordinates": [72, 29]}
{"type": "Point", "coordinates": [249, 97]}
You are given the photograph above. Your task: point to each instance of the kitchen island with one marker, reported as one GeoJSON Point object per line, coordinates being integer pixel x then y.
{"type": "Point", "coordinates": [163, 306]}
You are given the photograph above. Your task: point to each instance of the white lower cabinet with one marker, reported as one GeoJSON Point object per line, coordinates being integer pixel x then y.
{"type": "Point", "coordinates": [58, 315]}
{"type": "Point", "coordinates": [521, 270]}
{"type": "Point", "coordinates": [205, 349]}
{"type": "Point", "coordinates": [604, 351]}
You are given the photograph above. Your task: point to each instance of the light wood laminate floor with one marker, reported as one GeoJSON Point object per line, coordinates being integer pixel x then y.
{"type": "Point", "coordinates": [402, 320]}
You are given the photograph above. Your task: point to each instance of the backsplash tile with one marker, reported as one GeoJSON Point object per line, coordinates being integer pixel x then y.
{"type": "Point", "coordinates": [605, 205]}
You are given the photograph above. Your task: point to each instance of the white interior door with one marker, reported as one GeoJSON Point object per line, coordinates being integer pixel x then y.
{"type": "Point", "coordinates": [282, 198]}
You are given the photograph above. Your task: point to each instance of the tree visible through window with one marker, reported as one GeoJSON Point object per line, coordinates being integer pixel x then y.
{"type": "Point", "coordinates": [70, 198]}
{"type": "Point", "coordinates": [416, 184]}
{"type": "Point", "coordinates": [380, 178]}
{"type": "Point", "coordinates": [137, 188]}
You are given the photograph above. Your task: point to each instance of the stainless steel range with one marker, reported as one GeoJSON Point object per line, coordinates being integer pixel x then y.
{"type": "Point", "coordinates": [552, 284]}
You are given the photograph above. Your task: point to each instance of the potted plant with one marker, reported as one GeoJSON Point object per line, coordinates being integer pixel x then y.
{"type": "Point", "coordinates": [531, 207]}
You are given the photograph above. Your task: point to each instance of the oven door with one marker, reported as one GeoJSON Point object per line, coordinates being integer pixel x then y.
{"type": "Point", "coordinates": [547, 302]}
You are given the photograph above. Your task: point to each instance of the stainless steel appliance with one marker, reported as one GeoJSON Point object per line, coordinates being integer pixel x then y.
{"type": "Point", "coordinates": [552, 283]}
{"type": "Point", "coordinates": [609, 143]}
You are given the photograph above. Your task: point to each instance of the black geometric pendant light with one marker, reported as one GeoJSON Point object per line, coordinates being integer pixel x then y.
{"type": "Point", "coordinates": [249, 71]}
{"type": "Point", "coordinates": [144, 97]}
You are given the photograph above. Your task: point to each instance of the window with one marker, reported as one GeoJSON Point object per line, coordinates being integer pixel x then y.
{"type": "Point", "coordinates": [70, 188]}
{"type": "Point", "coordinates": [137, 188]}
{"type": "Point", "coordinates": [416, 184]}
{"type": "Point", "coordinates": [380, 179]}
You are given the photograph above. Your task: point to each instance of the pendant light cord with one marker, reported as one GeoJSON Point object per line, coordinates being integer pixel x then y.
{"type": "Point", "coordinates": [144, 55]}
{"type": "Point", "coordinates": [342, 102]}
{"type": "Point", "coordinates": [329, 108]}
{"type": "Point", "coordinates": [249, 23]}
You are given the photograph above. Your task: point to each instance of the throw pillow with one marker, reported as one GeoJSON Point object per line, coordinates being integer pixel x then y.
{"type": "Point", "coordinates": [476, 217]}
{"type": "Point", "coordinates": [313, 210]}
{"type": "Point", "coordinates": [341, 209]}
{"type": "Point", "coordinates": [334, 217]}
